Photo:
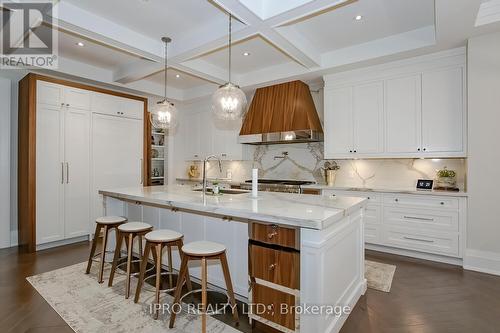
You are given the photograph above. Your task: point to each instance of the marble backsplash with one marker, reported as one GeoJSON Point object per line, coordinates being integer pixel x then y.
{"type": "Point", "coordinates": [305, 161]}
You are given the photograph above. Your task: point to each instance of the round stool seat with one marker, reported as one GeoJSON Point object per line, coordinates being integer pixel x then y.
{"type": "Point", "coordinates": [111, 219]}
{"type": "Point", "coordinates": [134, 227]}
{"type": "Point", "coordinates": [203, 249]}
{"type": "Point", "coordinates": [163, 236]}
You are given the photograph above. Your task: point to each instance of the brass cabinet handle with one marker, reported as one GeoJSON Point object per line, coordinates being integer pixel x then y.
{"type": "Point", "coordinates": [272, 267]}
{"type": "Point", "coordinates": [272, 234]}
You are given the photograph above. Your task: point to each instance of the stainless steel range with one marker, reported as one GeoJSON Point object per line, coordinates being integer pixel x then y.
{"type": "Point", "coordinates": [274, 185]}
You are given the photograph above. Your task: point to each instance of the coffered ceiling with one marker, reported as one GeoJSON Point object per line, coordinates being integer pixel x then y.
{"type": "Point", "coordinates": [274, 41]}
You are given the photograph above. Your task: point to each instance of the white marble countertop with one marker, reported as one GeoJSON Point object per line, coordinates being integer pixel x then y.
{"type": "Point", "coordinates": [388, 190]}
{"type": "Point", "coordinates": [296, 210]}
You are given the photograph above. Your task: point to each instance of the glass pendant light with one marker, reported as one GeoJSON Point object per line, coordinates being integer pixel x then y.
{"type": "Point", "coordinates": [229, 101]}
{"type": "Point", "coordinates": [164, 114]}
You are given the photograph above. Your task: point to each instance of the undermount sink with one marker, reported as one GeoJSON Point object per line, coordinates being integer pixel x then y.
{"type": "Point", "coordinates": [223, 191]}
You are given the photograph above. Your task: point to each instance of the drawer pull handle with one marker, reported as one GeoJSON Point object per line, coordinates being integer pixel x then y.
{"type": "Point", "coordinates": [419, 239]}
{"type": "Point", "coordinates": [272, 234]}
{"type": "Point", "coordinates": [442, 203]}
{"type": "Point", "coordinates": [272, 267]}
{"type": "Point", "coordinates": [396, 199]}
{"type": "Point", "coordinates": [418, 218]}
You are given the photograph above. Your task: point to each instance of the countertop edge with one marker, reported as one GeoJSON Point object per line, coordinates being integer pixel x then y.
{"type": "Point", "coordinates": [384, 190]}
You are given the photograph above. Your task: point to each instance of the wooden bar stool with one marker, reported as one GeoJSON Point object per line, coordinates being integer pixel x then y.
{"type": "Point", "coordinates": [156, 241]}
{"type": "Point", "coordinates": [128, 232]}
{"type": "Point", "coordinates": [204, 251]}
{"type": "Point", "coordinates": [105, 223]}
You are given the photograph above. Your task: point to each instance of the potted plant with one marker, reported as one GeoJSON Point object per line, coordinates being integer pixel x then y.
{"type": "Point", "coordinates": [446, 178]}
{"type": "Point", "coordinates": [330, 172]}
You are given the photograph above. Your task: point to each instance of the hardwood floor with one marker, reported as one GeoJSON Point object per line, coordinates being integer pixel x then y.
{"type": "Point", "coordinates": [425, 296]}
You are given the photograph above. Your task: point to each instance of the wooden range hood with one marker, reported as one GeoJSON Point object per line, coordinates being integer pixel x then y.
{"type": "Point", "coordinates": [283, 113]}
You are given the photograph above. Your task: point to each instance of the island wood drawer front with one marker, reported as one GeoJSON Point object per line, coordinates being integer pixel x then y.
{"type": "Point", "coordinates": [273, 234]}
{"type": "Point", "coordinates": [422, 201]}
{"type": "Point", "coordinates": [422, 218]}
{"type": "Point", "coordinates": [268, 304]}
{"type": "Point", "coordinates": [279, 267]}
{"type": "Point", "coordinates": [411, 238]}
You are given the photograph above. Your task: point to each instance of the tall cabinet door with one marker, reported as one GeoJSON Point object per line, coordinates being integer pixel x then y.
{"type": "Point", "coordinates": [77, 169]}
{"type": "Point", "coordinates": [368, 112]}
{"type": "Point", "coordinates": [443, 111]}
{"type": "Point", "coordinates": [338, 123]}
{"type": "Point", "coordinates": [50, 174]}
{"type": "Point", "coordinates": [117, 153]}
{"type": "Point", "coordinates": [403, 114]}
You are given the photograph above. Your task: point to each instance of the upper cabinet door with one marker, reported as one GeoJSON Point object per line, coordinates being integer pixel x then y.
{"type": "Point", "coordinates": [191, 127]}
{"type": "Point", "coordinates": [443, 111]}
{"type": "Point", "coordinates": [132, 108]}
{"type": "Point", "coordinates": [368, 112]}
{"type": "Point", "coordinates": [403, 115]}
{"type": "Point", "coordinates": [77, 98]}
{"type": "Point", "coordinates": [338, 123]}
{"type": "Point", "coordinates": [49, 93]}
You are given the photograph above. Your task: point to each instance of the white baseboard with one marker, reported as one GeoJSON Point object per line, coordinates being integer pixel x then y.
{"type": "Point", "coordinates": [415, 254]}
{"type": "Point", "coordinates": [13, 238]}
{"type": "Point", "coordinates": [482, 261]}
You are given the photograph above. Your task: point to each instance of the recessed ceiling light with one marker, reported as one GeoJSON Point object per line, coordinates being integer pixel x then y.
{"type": "Point", "coordinates": [358, 18]}
{"type": "Point", "coordinates": [80, 44]}
{"type": "Point", "coordinates": [177, 76]}
{"type": "Point", "coordinates": [246, 54]}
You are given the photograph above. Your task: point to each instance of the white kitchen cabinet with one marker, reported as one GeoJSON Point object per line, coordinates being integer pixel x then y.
{"type": "Point", "coordinates": [368, 118]}
{"type": "Point", "coordinates": [117, 155]}
{"type": "Point", "coordinates": [354, 121]}
{"type": "Point", "coordinates": [83, 141]}
{"type": "Point", "coordinates": [77, 166]}
{"type": "Point", "coordinates": [443, 111]}
{"type": "Point", "coordinates": [406, 111]}
{"type": "Point", "coordinates": [63, 159]}
{"type": "Point", "coordinates": [338, 123]}
{"type": "Point", "coordinates": [430, 224]}
{"type": "Point", "coordinates": [402, 115]}
{"type": "Point", "coordinates": [202, 137]}
{"type": "Point", "coordinates": [50, 174]}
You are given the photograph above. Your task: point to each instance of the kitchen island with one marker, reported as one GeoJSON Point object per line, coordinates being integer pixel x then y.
{"type": "Point", "coordinates": [290, 249]}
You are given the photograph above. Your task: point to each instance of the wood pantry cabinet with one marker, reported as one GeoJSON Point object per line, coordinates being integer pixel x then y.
{"type": "Point", "coordinates": [73, 140]}
{"type": "Point", "coordinates": [410, 111]}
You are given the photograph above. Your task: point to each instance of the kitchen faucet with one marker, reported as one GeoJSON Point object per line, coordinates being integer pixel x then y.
{"type": "Point", "coordinates": [205, 170]}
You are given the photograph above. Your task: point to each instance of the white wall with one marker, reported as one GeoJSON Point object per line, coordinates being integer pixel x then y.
{"type": "Point", "coordinates": [483, 230]}
{"type": "Point", "coordinates": [5, 110]}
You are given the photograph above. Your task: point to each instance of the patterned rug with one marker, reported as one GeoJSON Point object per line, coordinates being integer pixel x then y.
{"type": "Point", "coordinates": [379, 276]}
{"type": "Point", "coordinates": [90, 307]}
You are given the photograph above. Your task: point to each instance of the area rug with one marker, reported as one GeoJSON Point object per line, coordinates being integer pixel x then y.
{"type": "Point", "coordinates": [89, 307]}
{"type": "Point", "coordinates": [379, 276]}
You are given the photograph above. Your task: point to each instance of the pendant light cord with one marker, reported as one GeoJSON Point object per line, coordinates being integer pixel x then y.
{"type": "Point", "coordinates": [230, 41]}
{"type": "Point", "coordinates": [166, 66]}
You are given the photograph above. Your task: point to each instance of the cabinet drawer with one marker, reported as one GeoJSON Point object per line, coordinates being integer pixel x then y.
{"type": "Point", "coordinates": [276, 266]}
{"type": "Point", "coordinates": [422, 218]}
{"type": "Point", "coordinates": [414, 239]}
{"type": "Point", "coordinates": [267, 304]}
{"type": "Point", "coordinates": [372, 233]}
{"type": "Point", "coordinates": [274, 234]}
{"type": "Point", "coordinates": [371, 196]}
{"type": "Point", "coordinates": [421, 201]}
{"type": "Point", "coordinates": [373, 214]}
